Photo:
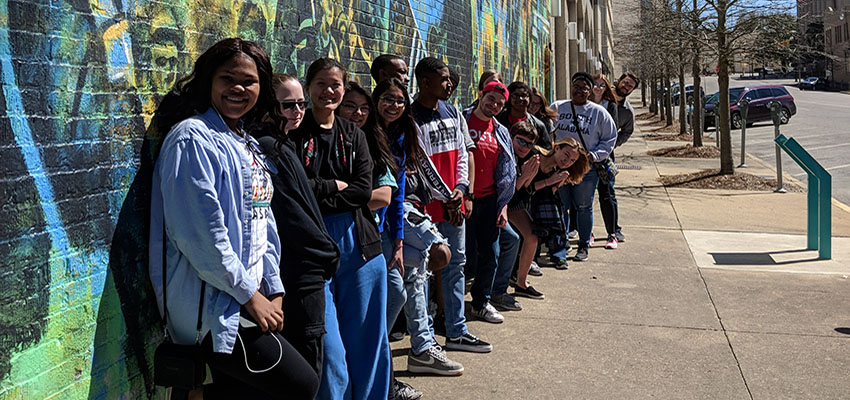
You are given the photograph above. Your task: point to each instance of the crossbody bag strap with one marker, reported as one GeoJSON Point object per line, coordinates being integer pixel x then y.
{"type": "Point", "coordinates": [165, 291]}
{"type": "Point", "coordinates": [578, 129]}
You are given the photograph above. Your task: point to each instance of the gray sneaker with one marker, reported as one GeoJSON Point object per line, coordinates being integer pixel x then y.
{"type": "Point", "coordinates": [505, 302]}
{"type": "Point", "coordinates": [402, 391]}
{"type": "Point", "coordinates": [433, 361]}
{"type": "Point", "coordinates": [489, 314]}
{"type": "Point", "coordinates": [534, 269]}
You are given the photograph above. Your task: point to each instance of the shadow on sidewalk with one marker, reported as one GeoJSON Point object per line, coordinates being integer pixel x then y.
{"type": "Point", "coordinates": [758, 258]}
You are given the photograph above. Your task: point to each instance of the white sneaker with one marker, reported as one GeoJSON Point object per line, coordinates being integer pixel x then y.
{"type": "Point", "coordinates": [489, 314]}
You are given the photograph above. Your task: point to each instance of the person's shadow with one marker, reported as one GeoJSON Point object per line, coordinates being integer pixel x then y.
{"type": "Point", "coordinates": [128, 322]}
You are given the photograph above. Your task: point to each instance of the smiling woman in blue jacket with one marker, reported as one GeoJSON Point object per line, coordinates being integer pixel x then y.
{"type": "Point", "coordinates": [212, 229]}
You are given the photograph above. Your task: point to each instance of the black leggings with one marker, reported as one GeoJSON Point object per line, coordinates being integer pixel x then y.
{"type": "Point", "coordinates": [291, 378]}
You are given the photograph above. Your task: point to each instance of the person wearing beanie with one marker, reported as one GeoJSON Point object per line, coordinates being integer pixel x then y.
{"type": "Point", "coordinates": [595, 129]}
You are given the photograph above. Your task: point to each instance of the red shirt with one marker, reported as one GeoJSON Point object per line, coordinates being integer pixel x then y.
{"type": "Point", "coordinates": [486, 153]}
{"type": "Point", "coordinates": [513, 120]}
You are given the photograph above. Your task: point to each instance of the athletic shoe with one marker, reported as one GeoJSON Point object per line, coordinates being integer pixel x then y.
{"type": "Point", "coordinates": [612, 242]}
{"type": "Point", "coordinates": [589, 242]}
{"type": "Point", "coordinates": [560, 263]}
{"type": "Point", "coordinates": [620, 236]}
{"type": "Point", "coordinates": [535, 269]}
{"type": "Point", "coordinates": [489, 314]}
{"type": "Point", "coordinates": [468, 342]}
{"type": "Point", "coordinates": [528, 291]}
{"type": "Point", "coordinates": [402, 391]}
{"type": "Point", "coordinates": [433, 361]}
{"type": "Point", "coordinates": [573, 234]}
{"type": "Point", "coordinates": [505, 302]}
{"type": "Point", "coordinates": [581, 254]}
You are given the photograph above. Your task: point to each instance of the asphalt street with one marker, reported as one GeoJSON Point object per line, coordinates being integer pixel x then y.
{"type": "Point", "coordinates": [821, 126]}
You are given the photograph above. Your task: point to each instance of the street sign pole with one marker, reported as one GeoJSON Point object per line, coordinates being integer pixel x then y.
{"type": "Point", "coordinates": [775, 109]}
{"type": "Point", "coordinates": [743, 107]}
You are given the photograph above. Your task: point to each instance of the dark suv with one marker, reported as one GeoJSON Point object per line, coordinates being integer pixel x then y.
{"type": "Point", "coordinates": [760, 98]}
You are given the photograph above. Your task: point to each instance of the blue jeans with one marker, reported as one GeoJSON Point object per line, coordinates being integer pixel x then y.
{"type": "Point", "coordinates": [482, 240]}
{"type": "Point", "coordinates": [581, 195]}
{"type": "Point", "coordinates": [507, 255]}
{"type": "Point", "coordinates": [396, 295]}
{"type": "Point", "coordinates": [453, 279]}
{"type": "Point", "coordinates": [419, 235]}
{"type": "Point", "coordinates": [358, 303]}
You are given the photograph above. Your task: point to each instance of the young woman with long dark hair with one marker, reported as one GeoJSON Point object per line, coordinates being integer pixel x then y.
{"type": "Point", "coordinates": [335, 155]}
{"type": "Point", "coordinates": [212, 229]}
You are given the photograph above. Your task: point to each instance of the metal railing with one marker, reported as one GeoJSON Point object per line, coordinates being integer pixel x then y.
{"type": "Point", "coordinates": [819, 227]}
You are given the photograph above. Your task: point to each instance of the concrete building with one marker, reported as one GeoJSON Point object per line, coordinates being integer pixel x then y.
{"type": "Point", "coordinates": [823, 26]}
{"type": "Point", "coordinates": [582, 40]}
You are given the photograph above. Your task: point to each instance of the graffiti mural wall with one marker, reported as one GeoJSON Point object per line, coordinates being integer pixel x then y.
{"type": "Point", "coordinates": [80, 81]}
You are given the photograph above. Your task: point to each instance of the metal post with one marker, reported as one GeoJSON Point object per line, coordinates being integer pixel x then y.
{"type": "Point", "coordinates": [717, 123]}
{"type": "Point", "coordinates": [775, 109]}
{"type": "Point", "coordinates": [743, 107]}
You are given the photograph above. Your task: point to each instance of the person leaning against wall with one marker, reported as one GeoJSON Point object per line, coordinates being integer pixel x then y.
{"type": "Point", "coordinates": [210, 195]}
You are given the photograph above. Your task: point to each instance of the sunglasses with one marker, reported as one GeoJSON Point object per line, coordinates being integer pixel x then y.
{"type": "Point", "coordinates": [392, 100]}
{"type": "Point", "coordinates": [522, 142]}
{"type": "Point", "coordinates": [600, 86]}
{"type": "Point", "coordinates": [364, 109]}
{"type": "Point", "coordinates": [290, 104]}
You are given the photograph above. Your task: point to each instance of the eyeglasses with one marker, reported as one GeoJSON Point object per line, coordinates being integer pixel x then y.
{"type": "Point", "coordinates": [522, 142]}
{"type": "Point", "coordinates": [399, 101]}
{"type": "Point", "coordinates": [581, 88]}
{"type": "Point", "coordinates": [364, 109]}
{"type": "Point", "coordinates": [290, 104]}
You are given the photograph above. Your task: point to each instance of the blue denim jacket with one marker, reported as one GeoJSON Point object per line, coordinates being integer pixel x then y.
{"type": "Point", "coordinates": [505, 174]}
{"type": "Point", "coordinates": [202, 185]}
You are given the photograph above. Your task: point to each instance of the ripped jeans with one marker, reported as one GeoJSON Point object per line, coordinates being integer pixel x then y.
{"type": "Point", "coordinates": [419, 235]}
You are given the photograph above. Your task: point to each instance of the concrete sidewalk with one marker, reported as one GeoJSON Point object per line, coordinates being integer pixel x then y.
{"type": "Point", "coordinates": [712, 295]}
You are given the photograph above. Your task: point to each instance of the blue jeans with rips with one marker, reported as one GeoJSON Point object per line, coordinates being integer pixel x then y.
{"type": "Point", "coordinates": [453, 279]}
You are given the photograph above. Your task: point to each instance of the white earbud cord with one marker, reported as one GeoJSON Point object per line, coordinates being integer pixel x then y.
{"type": "Point", "coordinates": [245, 354]}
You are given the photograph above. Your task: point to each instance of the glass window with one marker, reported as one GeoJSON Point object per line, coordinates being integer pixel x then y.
{"type": "Point", "coordinates": [777, 92]}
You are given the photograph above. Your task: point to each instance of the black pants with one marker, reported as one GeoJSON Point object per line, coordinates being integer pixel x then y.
{"type": "Point", "coordinates": [291, 378]}
{"type": "Point", "coordinates": [608, 204]}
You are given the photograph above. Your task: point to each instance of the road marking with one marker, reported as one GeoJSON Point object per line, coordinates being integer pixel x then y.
{"type": "Point", "coordinates": [829, 147]}
{"type": "Point", "coordinates": [838, 167]}
{"type": "Point", "coordinates": [806, 102]}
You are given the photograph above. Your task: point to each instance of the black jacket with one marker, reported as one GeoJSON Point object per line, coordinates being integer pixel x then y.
{"type": "Point", "coordinates": [544, 137]}
{"type": "Point", "coordinates": [339, 153]}
{"type": "Point", "coordinates": [309, 256]}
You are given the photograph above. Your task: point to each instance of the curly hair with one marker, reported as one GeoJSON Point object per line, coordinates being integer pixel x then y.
{"type": "Point", "coordinates": [579, 167]}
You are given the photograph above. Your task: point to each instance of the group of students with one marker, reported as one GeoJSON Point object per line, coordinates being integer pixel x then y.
{"type": "Point", "coordinates": [358, 208]}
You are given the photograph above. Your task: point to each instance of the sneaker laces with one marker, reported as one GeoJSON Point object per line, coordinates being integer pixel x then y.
{"type": "Point", "coordinates": [437, 352]}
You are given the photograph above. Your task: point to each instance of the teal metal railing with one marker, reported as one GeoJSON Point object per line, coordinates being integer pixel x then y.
{"type": "Point", "coordinates": [819, 229]}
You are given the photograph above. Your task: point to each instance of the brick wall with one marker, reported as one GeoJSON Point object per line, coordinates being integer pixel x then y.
{"type": "Point", "coordinates": [79, 83]}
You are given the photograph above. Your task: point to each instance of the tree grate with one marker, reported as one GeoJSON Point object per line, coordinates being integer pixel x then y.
{"type": "Point", "coordinates": [628, 166]}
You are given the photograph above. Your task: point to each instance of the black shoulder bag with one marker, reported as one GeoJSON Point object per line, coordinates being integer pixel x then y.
{"type": "Point", "coordinates": [601, 167]}
{"type": "Point", "coordinates": [175, 365]}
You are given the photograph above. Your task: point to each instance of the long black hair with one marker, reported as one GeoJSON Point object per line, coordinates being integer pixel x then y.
{"type": "Point", "coordinates": [376, 137]}
{"type": "Point", "coordinates": [191, 94]}
{"type": "Point", "coordinates": [404, 124]}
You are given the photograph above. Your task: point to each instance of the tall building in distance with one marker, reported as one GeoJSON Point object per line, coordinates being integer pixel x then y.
{"type": "Point", "coordinates": [823, 29]}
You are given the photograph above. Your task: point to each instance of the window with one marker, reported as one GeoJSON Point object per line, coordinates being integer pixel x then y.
{"type": "Point", "coordinates": [846, 31]}
{"type": "Point", "coordinates": [763, 93]}
{"type": "Point", "coordinates": [777, 92]}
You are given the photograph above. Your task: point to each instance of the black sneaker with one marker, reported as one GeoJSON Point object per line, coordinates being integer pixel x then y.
{"type": "Point", "coordinates": [581, 254]}
{"type": "Point", "coordinates": [402, 391]}
{"type": "Point", "coordinates": [468, 342]}
{"type": "Point", "coordinates": [528, 291]}
{"type": "Point", "coordinates": [620, 236]}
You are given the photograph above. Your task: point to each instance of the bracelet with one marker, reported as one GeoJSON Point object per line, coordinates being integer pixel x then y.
{"type": "Point", "coordinates": [400, 245]}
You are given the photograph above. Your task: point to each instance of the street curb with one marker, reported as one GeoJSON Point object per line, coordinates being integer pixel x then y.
{"type": "Point", "coordinates": [767, 165]}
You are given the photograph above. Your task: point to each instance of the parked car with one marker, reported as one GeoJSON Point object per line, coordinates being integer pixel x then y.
{"type": "Point", "coordinates": [812, 83]}
{"type": "Point", "coordinates": [689, 94]}
{"type": "Point", "coordinates": [760, 98]}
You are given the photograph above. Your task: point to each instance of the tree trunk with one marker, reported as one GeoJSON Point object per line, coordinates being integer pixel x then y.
{"type": "Point", "coordinates": [726, 163]}
{"type": "Point", "coordinates": [643, 92]}
{"type": "Point", "coordinates": [653, 98]}
{"type": "Point", "coordinates": [696, 115]}
{"type": "Point", "coordinates": [668, 100]}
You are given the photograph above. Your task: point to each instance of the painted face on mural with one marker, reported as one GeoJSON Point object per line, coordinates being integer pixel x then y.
{"type": "Point", "coordinates": [235, 88]}
{"type": "Point", "coordinates": [327, 89]}
{"type": "Point", "coordinates": [391, 105]}
{"type": "Point", "coordinates": [355, 108]}
{"type": "Point", "coordinates": [292, 104]}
